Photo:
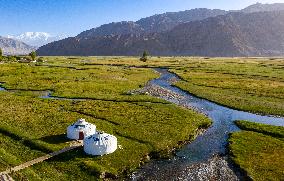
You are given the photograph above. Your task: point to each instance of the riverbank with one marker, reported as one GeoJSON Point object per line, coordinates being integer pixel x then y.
{"type": "Point", "coordinates": [216, 168]}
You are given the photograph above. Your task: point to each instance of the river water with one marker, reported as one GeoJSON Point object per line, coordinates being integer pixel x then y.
{"type": "Point", "coordinates": [212, 142]}
{"type": "Point", "coordinates": [1, 88]}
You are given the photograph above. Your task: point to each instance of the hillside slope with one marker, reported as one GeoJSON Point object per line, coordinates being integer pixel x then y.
{"type": "Point", "coordinates": [152, 24]}
{"type": "Point", "coordinates": [167, 21]}
{"type": "Point", "coordinates": [234, 34]}
{"type": "Point", "coordinates": [14, 47]}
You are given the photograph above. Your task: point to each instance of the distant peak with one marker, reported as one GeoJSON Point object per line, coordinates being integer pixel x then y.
{"type": "Point", "coordinates": [260, 7]}
{"type": "Point", "coordinates": [36, 38]}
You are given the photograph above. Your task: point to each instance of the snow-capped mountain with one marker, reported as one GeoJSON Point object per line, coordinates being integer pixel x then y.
{"type": "Point", "coordinates": [37, 39]}
{"type": "Point", "coordinates": [14, 47]}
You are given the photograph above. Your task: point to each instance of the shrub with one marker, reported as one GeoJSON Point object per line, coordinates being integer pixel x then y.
{"type": "Point", "coordinates": [11, 58]}
{"type": "Point", "coordinates": [33, 55]}
{"type": "Point", "coordinates": [40, 60]}
{"type": "Point", "coordinates": [144, 57]}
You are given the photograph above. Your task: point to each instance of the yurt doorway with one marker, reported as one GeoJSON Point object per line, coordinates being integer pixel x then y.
{"type": "Point", "coordinates": [81, 135]}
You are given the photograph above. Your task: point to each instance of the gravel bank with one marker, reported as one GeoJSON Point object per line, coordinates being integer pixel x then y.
{"type": "Point", "coordinates": [217, 168]}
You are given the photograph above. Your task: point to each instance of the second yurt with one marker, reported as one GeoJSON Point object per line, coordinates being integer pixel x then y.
{"type": "Point", "coordinates": [80, 129]}
{"type": "Point", "coordinates": [100, 144]}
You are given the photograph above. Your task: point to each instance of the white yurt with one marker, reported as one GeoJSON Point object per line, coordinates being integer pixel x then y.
{"type": "Point", "coordinates": [100, 144]}
{"type": "Point", "coordinates": [80, 130]}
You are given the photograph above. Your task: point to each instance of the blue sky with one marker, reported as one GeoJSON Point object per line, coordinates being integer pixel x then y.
{"type": "Point", "coordinates": [71, 17]}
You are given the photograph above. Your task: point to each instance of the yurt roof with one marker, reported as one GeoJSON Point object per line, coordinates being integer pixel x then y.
{"type": "Point", "coordinates": [100, 136]}
{"type": "Point", "coordinates": [81, 123]}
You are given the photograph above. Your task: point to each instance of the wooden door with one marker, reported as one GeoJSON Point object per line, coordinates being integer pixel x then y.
{"type": "Point", "coordinates": [81, 135]}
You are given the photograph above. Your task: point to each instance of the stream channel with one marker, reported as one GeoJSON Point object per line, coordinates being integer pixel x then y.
{"type": "Point", "coordinates": [213, 142]}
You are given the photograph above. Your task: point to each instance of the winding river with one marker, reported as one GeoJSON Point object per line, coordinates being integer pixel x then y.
{"type": "Point", "coordinates": [212, 142]}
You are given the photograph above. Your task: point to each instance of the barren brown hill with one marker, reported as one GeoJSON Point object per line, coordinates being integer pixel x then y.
{"type": "Point", "coordinates": [233, 34]}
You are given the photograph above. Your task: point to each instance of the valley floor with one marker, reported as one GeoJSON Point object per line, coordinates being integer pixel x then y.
{"type": "Point", "coordinates": [31, 126]}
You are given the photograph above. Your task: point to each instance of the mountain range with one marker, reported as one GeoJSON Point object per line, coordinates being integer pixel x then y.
{"type": "Point", "coordinates": [152, 24]}
{"type": "Point", "coordinates": [254, 31]}
{"type": "Point", "coordinates": [14, 47]}
{"type": "Point", "coordinates": [36, 39]}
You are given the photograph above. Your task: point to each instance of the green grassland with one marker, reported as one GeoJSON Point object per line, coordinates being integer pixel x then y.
{"type": "Point", "coordinates": [31, 126]}
{"type": "Point", "coordinates": [100, 82]}
{"type": "Point", "coordinates": [254, 85]}
{"type": "Point", "coordinates": [249, 84]}
{"type": "Point", "coordinates": [259, 150]}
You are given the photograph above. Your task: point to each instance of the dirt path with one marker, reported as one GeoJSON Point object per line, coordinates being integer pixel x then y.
{"type": "Point", "coordinates": [73, 145]}
{"type": "Point", "coordinates": [6, 177]}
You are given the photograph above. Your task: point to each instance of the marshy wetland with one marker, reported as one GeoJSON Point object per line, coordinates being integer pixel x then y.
{"type": "Point", "coordinates": [42, 99]}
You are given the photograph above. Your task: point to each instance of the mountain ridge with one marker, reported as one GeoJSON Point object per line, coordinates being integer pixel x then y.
{"type": "Point", "coordinates": [259, 7]}
{"type": "Point", "coordinates": [166, 21]}
{"type": "Point", "coordinates": [172, 41]}
{"type": "Point", "coordinates": [151, 24]}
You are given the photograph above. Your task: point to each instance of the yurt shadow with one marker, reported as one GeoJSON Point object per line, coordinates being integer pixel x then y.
{"type": "Point", "coordinates": [75, 154]}
{"type": "Point", "coordinates": [10, 134]}
{"type": "Point", "coordinates": [55, 139]}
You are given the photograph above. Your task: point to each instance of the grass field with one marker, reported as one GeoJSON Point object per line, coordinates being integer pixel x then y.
{"type": "Point", "coordinates": [254, 85]}
{"type": "Point", "coordinates": [259, 150]}
{"type": "Point", "coordinates": [249, 84]}
{"type": "Point", "coordinates": [31, 126]}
